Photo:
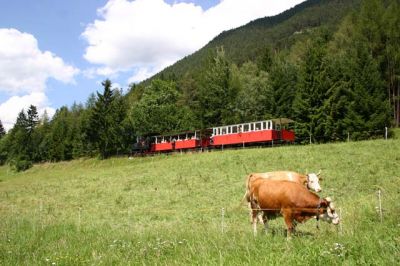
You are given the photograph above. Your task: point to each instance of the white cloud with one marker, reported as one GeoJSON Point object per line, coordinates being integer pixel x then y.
{"type": "Point", "coordinates": [144, 36]}
{"type": "Point", "coordinates": [24, 68]}
{"type": "Point", "coordinates": [24, 71]}
{"type": "Point", "coordinates": [10, 109]}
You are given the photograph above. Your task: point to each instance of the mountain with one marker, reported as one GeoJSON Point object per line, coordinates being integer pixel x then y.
{"type": "Point", "coordinates": [279, 32]}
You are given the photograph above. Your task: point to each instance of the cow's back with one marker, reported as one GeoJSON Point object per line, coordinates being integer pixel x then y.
{"type": "Point", "coordinates": [282, 175]}
{"type": "Point", "coordinates": [274, 194]}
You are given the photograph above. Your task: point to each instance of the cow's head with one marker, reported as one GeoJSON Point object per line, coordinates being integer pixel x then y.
{"type": "Point", "coordinates": [330, 215]}
{"type": "Point", "coordinates": [313, 181]}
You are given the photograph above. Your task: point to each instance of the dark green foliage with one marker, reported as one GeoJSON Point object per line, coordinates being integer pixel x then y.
{"type": "Point", "coordinates": [32, 119]}
{"type": "Point", "coordinates": [104, 129]}
{"type": "Point", "coordinates": [20, 164]}
{"type": "Point", "coordinates": [2, 130]}
{"type": "Point", "coordinates": [216, 96]}
{"type": "Point", "coordinates": [157, 111]}
{"type": "Point", "coordinates": [254, 100]}
{"type": "Point", "coordinates": [391, 61]}
{"type": "Point", "coordinates": [310, 93]}
{"type": "Point", "coordinates": [357, 102]}
{"type": "Point", "coordinates": [19, 144]}
{"type": "Point", "coordinates": [283, 78]}
{"type": "Point", "coordinates": [4, 148]}
{"type": "Point", "coordinates": [60, 137]}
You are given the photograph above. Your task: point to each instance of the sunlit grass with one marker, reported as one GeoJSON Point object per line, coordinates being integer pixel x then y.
{"type": "Point", "coordinates": [168, 209]}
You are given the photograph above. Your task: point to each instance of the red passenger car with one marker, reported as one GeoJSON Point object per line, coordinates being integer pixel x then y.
{"type": "Point", "coordinates": [253, 132]}
{"type": "Point", "coordinates": [181, 141]}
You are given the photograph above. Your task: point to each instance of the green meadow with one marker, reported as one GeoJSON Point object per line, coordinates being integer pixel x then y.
{"type": "Point", "coordinates": [184, 209]}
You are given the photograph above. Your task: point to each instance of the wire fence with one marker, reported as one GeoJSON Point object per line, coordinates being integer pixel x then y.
{"type": "Point", "coordinates": [220, 216]}
{"type": "Point", "coordinates": [346, 136]}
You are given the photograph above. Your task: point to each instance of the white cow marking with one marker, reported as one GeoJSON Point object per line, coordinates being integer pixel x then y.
{"type": "Point", "coordinates": [291, 177]}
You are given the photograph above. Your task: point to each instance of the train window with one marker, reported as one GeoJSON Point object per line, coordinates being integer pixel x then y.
{"type": "Point", "coordinates": [265, 125]}
{"type": "Point", "coordinates": [269, 124]}
{"type": "Point", "coordinates": [245, 127]}
{"type": "Point", "coordinates": [223, 130]}
{"type": "Point", "coordinates": [234, 129]}
{"type": "Point", "coordinates": [258, 126]}
{"type": "Point", "coordinates": [251, 126]}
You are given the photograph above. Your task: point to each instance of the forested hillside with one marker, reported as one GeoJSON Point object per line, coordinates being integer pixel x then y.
{"type": "Point", "coordinates": [248, 43]}
{"type": "Point", "coordinates": [332, 66]}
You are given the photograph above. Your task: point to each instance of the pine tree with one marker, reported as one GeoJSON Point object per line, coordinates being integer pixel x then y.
{"type": "Point", "coordinates": [283, 78]}
{"type": "Point", "coordinates": [19, 147]}
{"type": "Point", "coordinates": [2, 130]}
{"type": "Point", "coordinates": [216, 97]}
{"type": "Point", "coordinates": [104, 122]}
{"type": "Point", "coordinates": [392, 58]}
{"type": "Point", "coordinates": [3, 145]}
{"type": "Point", "coordinates": [310, 93]}
{"type": "Point", "coordinates": [32, 119]}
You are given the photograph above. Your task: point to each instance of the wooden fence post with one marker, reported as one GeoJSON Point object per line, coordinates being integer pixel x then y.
{"type": "Point", "coordinates": [340, 221]}
{"type": "Point", "coordinates": [79, 218]}
{"type": "Point", "coordinates": [380, 205]}
{"type": "Point", "coordinates": [386, 133]}
{"type": "Point", "coordinates": [222, 219]}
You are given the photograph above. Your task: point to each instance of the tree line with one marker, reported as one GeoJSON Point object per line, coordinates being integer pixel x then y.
{"type": "Point", "coordinates": [330, 82]}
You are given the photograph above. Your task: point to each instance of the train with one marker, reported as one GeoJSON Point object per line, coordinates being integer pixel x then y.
{"type": "Point", "coordinates": [243, 134]}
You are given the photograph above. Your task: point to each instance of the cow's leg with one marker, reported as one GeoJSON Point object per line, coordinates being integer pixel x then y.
{"type": "Point", "coordinates": [254, 213]}
{"type": "Point", "coordinates": [250, 212]}
{"type": "Point", "coordinates": [265, 222]}
{"type": "Point", "coordinates": [254, 222]}
{"type": "Point", "coordinates": [289, 223]}
{"type": "Point", "coordinates": [260, 217]}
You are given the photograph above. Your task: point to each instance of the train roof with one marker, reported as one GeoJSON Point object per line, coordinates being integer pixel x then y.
{"type": "Point", "coordinates": [281, 121]}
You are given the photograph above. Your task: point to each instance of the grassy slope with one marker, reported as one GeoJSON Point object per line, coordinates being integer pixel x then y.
{"type": "Point", "coordinates": [167, 209]}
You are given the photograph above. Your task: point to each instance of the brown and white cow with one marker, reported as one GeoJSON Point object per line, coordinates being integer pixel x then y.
{"type": "Point", "coordinates": [311, 181]}
{"type": "Point", "coordinates": [289, 199]}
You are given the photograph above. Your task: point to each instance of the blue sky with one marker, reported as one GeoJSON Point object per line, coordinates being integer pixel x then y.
{"type": "Point", "coordinates": [55, 53]}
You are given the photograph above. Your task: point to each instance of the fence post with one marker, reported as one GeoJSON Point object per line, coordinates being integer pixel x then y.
{"type": "Point", "coordinates": [340, 221]}
{"type": "Point", "coordinates": [79, 218]}
{"type": "Point", "coordinates": [380, 205]}
{"type": "Point", "coordinates": [222, 219]}
{"type": "Point", "coordinates": [40, 213]}
{"type": "Point", "coordinates": [348, 136]}
{"type": "Point", "coordinates": [386, 133]}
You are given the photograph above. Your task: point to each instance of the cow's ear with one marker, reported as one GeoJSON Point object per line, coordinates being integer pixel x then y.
{"type": "Point", "coordinates": [324, 204]}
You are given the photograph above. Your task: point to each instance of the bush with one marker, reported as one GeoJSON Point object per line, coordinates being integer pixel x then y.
{"type": "Point", "coordinates": [20, 165]}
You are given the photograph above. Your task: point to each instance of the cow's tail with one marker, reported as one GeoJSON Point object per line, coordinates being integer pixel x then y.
{"type": "Point", "coordinates": [246, 195]}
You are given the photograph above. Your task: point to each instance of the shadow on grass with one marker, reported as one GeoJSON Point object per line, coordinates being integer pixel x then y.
{"type": "Point", "coordinates": [283, 232]}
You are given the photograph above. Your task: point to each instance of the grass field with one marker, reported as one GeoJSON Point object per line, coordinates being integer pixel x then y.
{"type": "Point", "coordinates": [167, 210]}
